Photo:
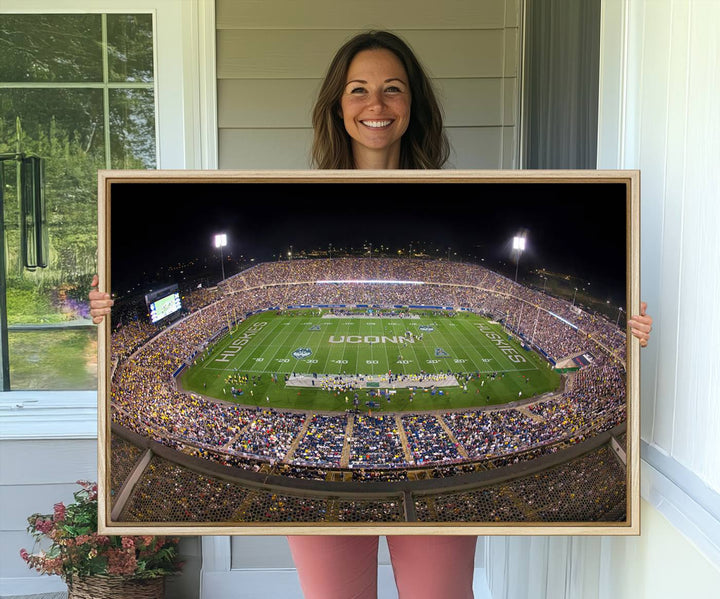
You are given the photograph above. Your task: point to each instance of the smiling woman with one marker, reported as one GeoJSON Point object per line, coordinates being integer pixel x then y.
{"type": "Point", "coordinates": [377, 109]}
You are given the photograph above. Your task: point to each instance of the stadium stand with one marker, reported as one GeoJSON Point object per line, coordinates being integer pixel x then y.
{"type": "Point", "coordinates": [391, 449]}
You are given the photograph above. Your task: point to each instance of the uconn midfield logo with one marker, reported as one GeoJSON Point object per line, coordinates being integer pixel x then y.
{"type": "Point", "coordinates": [301, 353]}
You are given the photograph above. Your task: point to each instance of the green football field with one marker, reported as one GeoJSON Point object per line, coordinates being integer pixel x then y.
{"type": "Point", "coordinates": [260, 353]}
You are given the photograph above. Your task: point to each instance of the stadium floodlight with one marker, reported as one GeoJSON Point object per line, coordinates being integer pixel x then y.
{"type": "Point", "coordinates": [574, 295]}
{"type": "Point", "coordinates": [519, 247]}
{"type": "Point", "coordinates": [617, 322]}
{"type": "Point", "coordinates": [221, 242]}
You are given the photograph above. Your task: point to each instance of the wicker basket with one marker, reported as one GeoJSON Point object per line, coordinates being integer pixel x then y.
{"type": "Point", "coordinates": [116, 587]}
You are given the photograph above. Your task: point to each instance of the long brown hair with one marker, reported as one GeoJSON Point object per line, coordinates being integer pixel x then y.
{"type": "Point", "coordinates": [424, 145]}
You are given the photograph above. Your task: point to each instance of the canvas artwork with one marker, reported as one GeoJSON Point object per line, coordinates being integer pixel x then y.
{"type": "Point", "coordinates": [336, 353]}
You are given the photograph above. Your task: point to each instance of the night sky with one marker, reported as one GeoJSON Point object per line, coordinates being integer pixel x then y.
{"type": "Point", "coordinates": [572, 228]}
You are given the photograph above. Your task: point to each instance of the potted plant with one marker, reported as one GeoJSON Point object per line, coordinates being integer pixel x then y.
{"type": "Point", "coordinates": [98, 566]}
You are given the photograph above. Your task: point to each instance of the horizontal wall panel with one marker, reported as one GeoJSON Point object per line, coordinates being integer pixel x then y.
{"type": "Point", "coordinates": [11, 564]}
{"type": "Point", "coordinates": [49, 462]}
{"type": "Point", "coordinates": [471, 148]}
{"type": "Point", "coordinates": [475, 147]}
{"type": "Point", "coordinates": [274, 103]}
{"type": "Point", "coordinates": [512, 52]}
{"type": "Point", "coordinates": [511, 142]}
{"type": "Point", "coordinates": [252, 54]}
{"type": "Point", "coordinates": [19, 501]}
{"type": "Point", "coordinates": [475, 102]}
{"type": "Point", "coordinates": [510, 101]}
{"type": "Point", "coordinates": [271, 103]}
{"type": "Point", "coordinates": [512, 13]}
{"type": "Point", "coordinates": [351, 14]}
{"type": "Point", "coordinates": [265, 148]}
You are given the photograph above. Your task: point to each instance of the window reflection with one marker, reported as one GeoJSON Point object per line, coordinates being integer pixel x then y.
{"type": "Point", "coordinates": [78, 91]}
{"type": "Point", "coordinates": [41, 48]}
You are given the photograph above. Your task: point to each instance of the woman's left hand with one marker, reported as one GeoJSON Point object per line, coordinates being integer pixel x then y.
{"type": "Point", "coordinates": [641, 325]}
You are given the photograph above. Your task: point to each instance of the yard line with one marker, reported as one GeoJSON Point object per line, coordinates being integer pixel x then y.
{"type": "Point", "coordinates": [423, 355]}
{"type": "Point", "coordinates": [478, 339]}
{"type": "Point", "coordinates": [388, 332]}
{"type": "Point", "coordinates": [443, 338]}
{"type": "Point", "coordinates": [242, 353]}
{"type": "Point", "coordinates": [281, 347]}
{"type": "Point", "coordinates": [248, 362]}
{"type": "Point", "coordinates": [334, 327]}
{"type": "Point", "coordinates": [332, 354]}
{"type": "Point", "coordinates": [406, 368]}
{"type": "Point", "coordinates": [468, 331]}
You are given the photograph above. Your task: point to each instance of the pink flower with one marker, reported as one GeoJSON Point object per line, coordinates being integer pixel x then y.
{"type": "Point", "coordinates": [24, 555]}
{"type": "Point", "coordinates": [44, 526]}
{"type": "Point", "coordinates": [121, 562]}
{"type": "Point", "coordinates": [128, 543]}
{"type": "Point", "coordinates": [59, 509]}
{"type": "Point", "coordinates": [92, 492]}
{"type": "Point", "coordinates": [53, 565]}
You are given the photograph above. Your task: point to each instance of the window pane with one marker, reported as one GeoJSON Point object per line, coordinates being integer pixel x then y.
{"type": "Point", "coordinates": [65, 128]}
{"type": "Point", "coordinates": [53, 121]}
{"type": "Point", "coordinates": [132, 128]}
{"type": "Point", "coordinates": [54, 359]}
{"type": "Point", "coordinates": [130, 48]}
{"type": "Point", "coordinates": [37, 48]}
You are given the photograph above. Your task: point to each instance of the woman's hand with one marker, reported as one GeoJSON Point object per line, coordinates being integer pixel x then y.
{"type": "Point", "coordinates": [641, 325]}
{"type": "Point", "coordinates": [100, 303]}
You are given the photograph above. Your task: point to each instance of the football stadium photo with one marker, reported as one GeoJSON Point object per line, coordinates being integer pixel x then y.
{"type": "Point", "coordinates": [345, 354]}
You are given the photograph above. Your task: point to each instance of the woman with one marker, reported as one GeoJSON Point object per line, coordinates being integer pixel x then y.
{"type": "Point", "coordinates": [377, 110]}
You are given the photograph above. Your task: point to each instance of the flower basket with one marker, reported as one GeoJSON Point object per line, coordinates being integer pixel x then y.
{"type": "Point", "coordinates": [116, 587]}
{"type": "Point", "coordinates": [96, 566]}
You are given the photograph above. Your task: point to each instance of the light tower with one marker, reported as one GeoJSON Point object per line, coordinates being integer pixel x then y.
{"type": "Point", "coordinates": [519, 247]}
{"type": "Point", "coordinates": [221, 242]}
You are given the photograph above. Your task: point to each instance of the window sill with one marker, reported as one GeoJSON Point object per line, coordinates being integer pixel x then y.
{"type": "Point", "coordinates": [48, 415]}
{"type": "Point", "coordinates": [679, 494]}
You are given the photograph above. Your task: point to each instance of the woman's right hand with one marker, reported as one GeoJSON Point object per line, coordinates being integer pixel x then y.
{"type": "Point", "coordinates": [100, 302]}
{"type": "Point", "coordinates": [641, 325]}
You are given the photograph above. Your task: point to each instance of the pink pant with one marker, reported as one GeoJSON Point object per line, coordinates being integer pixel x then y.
{"type": "Point", "coordinates": [345, 567]}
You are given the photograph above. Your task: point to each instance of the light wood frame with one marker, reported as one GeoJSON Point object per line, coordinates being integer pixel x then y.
{"type": "Point", "coordinates": [630, 213]}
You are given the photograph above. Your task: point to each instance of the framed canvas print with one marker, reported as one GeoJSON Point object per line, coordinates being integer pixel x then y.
{"type": "Point", "coordinates": [369, 352]}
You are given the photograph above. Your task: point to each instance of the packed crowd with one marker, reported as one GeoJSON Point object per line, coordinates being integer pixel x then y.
{"type": "Point", "coordinates": [144, 397]}
{"type": "Point", "coordinates": [587, 488]}
{"type": "Point", "coordinates": [436, 283]}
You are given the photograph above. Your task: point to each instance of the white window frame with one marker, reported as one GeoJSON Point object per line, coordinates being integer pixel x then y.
{"type": "Point", "coordinates": [186, 130]}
